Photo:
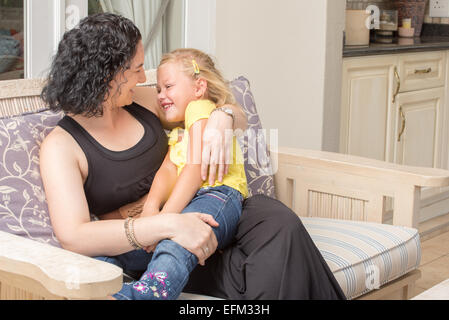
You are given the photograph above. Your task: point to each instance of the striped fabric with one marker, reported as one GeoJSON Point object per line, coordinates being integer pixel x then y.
{"type": "Point", "coordinates": [17, 106]}
{"type": "Point", "coordinates": [362, 255]}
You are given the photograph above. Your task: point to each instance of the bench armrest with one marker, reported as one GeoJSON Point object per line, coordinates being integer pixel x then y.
{"type": "Point", "coordinates": [62, 273]}
{"type": "Point", "coordinates": [327, 184]}
{"type": "Point", "coordinates": [386, 171]}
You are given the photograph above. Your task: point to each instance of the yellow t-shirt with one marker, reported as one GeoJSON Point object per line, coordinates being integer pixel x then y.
{"type": "Point", "coordinates": [201, 109]}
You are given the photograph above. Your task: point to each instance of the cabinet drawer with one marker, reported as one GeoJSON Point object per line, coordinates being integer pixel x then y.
{"type": "Point", "coordinates": [422, 70]}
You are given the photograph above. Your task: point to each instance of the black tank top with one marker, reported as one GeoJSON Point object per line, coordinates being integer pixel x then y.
{"type": "Point", "coordinates": [116, 178]}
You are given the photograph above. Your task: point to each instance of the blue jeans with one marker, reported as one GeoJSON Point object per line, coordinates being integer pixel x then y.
{"type": "Point", "coordinates": [167, 270]}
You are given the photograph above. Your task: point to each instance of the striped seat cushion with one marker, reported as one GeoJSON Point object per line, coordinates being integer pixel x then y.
{"type": "Point", "coordinates": [363, 255]}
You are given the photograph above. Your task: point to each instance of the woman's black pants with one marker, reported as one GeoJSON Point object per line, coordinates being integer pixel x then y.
{"type": "Point", "coordinates": [273, 257]}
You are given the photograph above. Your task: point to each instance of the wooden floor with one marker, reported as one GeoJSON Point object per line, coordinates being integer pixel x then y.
{"type": "Point", "coordinates": [434, 262]}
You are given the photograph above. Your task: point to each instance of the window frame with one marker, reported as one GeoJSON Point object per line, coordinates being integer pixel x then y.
{"type": "Point", "coordinates": [42, 32]}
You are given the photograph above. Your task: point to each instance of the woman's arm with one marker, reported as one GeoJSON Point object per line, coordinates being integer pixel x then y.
{"type": "Point", "coordinates": [70, 218]}
{"type": "Point", "coordinates": [69, 212]}
{"type": "Point", "coordinates": [217, 142]}
{"type": "Point", "coordinates": [240, 119]}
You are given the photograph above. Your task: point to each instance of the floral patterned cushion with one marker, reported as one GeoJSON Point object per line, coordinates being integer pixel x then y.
{"type": "Point", "coordinates": [23, 207]}
{"type": "Point", "coordinates": [258, 168]}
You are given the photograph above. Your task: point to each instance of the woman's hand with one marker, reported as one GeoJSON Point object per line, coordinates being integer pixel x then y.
{"type": "Point", "coordinates": [149, 211]}
{"type": "Point", "coordinates": [193, 232]}
{"type": "Point", "coordinates": [217, 146]}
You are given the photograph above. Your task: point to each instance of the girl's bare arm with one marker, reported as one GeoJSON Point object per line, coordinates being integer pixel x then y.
{"type": "Point", "coordinates": [189, 181]}
{"type": "Point", "coordinates": [161, 188]}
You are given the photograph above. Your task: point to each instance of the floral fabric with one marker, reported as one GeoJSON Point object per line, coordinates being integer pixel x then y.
{"type": "Point", "coordinates": [258, 168]}
{"type": "Point", "coordinates": [23, 207]}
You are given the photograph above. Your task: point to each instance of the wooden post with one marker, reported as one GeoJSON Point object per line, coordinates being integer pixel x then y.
{"type": "Point", "coordinates": [407, 206]}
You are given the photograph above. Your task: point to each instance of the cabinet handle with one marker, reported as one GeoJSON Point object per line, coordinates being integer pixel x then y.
{"type": "Point", "coordinates": [398, 86]}
{"type": "Point", "coordinates": [421, 71]}
{"type": "Point", "coordinates": [401, 112]}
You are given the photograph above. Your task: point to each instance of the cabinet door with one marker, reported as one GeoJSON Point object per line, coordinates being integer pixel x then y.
{"type": "Point", "coordinates": [418, 128]}
{"type": "Point", "coordinates": [367, 94]}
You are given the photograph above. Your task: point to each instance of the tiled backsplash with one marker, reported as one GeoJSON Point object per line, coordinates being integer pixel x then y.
{"type": "Point", "coordinates": [389, 4]}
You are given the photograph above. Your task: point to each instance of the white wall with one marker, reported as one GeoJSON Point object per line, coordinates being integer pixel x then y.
{"type": "Point", "coordinates": [291, 51]}
{"type": "Point", "coordinates": [333, 75]}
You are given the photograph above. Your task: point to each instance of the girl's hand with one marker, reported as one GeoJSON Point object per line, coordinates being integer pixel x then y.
{"type": "Point", "coordinates": [217, 146]}
{"type": "Point", "coordinates": [150, 249]}
{"type": "Point", "coordinates": [149, 210]}
{"type": "Point", "coordinates": [193, 232]}
{"type": "Point", "coordinates": [149, 213]}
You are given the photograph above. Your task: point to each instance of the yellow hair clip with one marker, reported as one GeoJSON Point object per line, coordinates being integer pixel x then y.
{"type": "Point", "coordinates": [196, 68]}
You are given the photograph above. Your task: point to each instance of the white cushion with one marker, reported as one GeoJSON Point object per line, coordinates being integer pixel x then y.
{"type": "Point", "coordinates": [362, 255]}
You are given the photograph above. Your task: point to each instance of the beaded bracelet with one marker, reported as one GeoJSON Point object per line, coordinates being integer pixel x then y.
{"type": "Point", "coordinates": [129, 230]}
{"type": "Point", "coordinates": [133, 235]}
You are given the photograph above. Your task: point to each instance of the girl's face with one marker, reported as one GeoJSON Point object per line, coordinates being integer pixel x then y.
{"type": "Point", "coordinates": [175, 91]}
{"type": "Point", "coordinates": [123, 85]}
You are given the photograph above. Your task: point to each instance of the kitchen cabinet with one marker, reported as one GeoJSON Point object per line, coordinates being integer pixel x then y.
{"type": "Point", "coordinates": [367, 92]}
{"type": "Point", "coordinates": [394, 108]}
{"type": "Point", "coordinates": [418, 131]}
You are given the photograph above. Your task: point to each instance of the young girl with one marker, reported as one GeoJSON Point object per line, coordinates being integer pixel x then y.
{"type": "Point", "coordinates": [190, 88]}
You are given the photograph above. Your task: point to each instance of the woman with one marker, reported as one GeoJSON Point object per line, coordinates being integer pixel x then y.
{"type": "Point", "coordinates": [102, 157]}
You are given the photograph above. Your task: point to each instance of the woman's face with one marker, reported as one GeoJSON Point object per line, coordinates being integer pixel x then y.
{"type": "Point", "coordinates": [122, 86]}
{"type": "Point", "coordinates": [175, 91]}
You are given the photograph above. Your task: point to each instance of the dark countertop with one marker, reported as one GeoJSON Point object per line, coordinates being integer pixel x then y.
{"type": "Point", "coordinates": [398, 45]}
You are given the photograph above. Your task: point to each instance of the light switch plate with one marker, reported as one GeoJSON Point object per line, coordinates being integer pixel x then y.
{"type": "Point", "coordinates": [439, 8]}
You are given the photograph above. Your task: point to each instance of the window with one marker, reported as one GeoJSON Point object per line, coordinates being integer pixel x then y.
{"type": "Point", "coordinates": [11, 39]}
{"type": "Point", "coordinates": [94, 6]}
{"type": "Point", "coordinates": [30, 30]}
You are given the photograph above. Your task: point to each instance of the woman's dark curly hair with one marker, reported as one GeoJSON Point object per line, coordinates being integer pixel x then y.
{"type": "Point", "coordinates": [88, 58]}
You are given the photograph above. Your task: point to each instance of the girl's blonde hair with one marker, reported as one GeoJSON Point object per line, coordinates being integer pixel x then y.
{"type": "Point", "coordinates": [218, 90]}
